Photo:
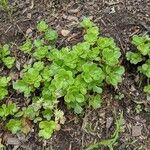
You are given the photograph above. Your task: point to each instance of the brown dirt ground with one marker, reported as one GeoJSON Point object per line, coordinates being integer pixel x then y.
{"type": "Point", "coordinates": [117, 18]}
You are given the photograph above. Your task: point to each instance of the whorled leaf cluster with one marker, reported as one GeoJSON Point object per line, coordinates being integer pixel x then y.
{"type": "Point", "coordinates": [142, 55]}
{"type": "Point", "coordinates": [77, 74]}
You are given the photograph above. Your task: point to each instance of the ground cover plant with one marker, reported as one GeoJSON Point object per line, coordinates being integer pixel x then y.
{"type": "Point", "coordinates": [3, 86]}
{"type": "Point", "coordinates": [141, 56]}
{"type": "Point", "coordinates": [5, 57]}
{"type": "Point", "coordinates": [4, 4]}
{"type": "Point", "coordinates": [92, 127]}
{"type": "Point", "coordinates": [77, 74]}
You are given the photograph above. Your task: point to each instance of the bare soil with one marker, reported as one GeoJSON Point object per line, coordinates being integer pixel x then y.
{"type": "Point", "coordinates": [119, 19]}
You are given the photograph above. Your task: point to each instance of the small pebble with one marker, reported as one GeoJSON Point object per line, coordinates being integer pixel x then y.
{"type": "Point", "coordinates": [136, 130]}
{"type": "Point", "coordinates": [65, 32]}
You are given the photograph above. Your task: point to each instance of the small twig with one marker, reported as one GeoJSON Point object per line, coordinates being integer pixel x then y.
{"type": "Point", "coordinates": [112, 3]}
{"type": "Point", "coordinates": [21, 30]}
{"type": "Point", "coordinates": [8, 29]}
{"type": "Point", "coordinates": [32, 4]}
{"type": "Point", "coordinates": [83, 134]}
{"type": "Point", "coordinates": [135, 32]}
{"type": "Point", "coordinates": [70, 147]}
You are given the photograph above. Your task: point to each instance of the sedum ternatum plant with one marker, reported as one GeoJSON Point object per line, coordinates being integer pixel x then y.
{"type": "Point", "coordinates": [76, 73]}
{"type": "Point", "coordinates": [4, 86]}
{"type": "Point", "coordinates": [142, 55]}
{"type": "Point", "coordinates": [5, 57]}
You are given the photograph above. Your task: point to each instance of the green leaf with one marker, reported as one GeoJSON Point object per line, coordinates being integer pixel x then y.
{"type": "Point", "coordinates": [80, 98]}
{"type": "Point", "coordinates": [74, 95]}
{"type": "Point", "coordinates": [138, 40]}
{"type": "Point", "coordinates": [38, 66]}
{"type": "Point", "coordinates": [134, 58]}
{"type": "Point", "coordinates": [47, 74]}
{"type": "Point", "coordinates": [46, 129]}
{"type": "Point", "coordinates": [87, 78]}
{"type": "Point", "coordinates": [2, 113]}
{"type": "Point", "coordinates": [4, 51]}
{"type": "Point", "coordinates": [86, 23]}
{"type": "Point", "coordinates": [105, 42]}
{"type": "Point", "coordinates": [91, 72]}
{"type": "Point", "coordinates": [95, 101]}
{"type": "Point", "coordinates": [32, 77]}
{"type": "Point", "coordinates": [4, 81]}
{"type": "Point", "coordinates": [30, 112]}
{"type": "Point", "coordinates": [78, 109]}
{"type": "Point", "coordinates": [14, 125]}
{"type": "Point", "coordinates": [42, 26]}
{"type": "Point", "coordinates": [59, 116]}
{"type": "Point", "coordinates": [114, 75]}
{"type": "Point", "coordinates": [63, 79]}
{"type": "Point", "coordinates": [3, 93]}
{"type": "Point", "coordinates": [41, 52]}
{"type": "Point", "coordinates": [80, 63]}
{"type": "Point", "coordinates": [97, 89]}
{"type": "Point", "coordinates": [91, 35]}
{"type": "Point", "coordinates": [38, 42]}
{"type": "Point", "coordinates": [8, 61]}
{"type": "Point", "coordinates": [110, 57]}
{"type": "Point", "coordinates": [144, 49]}
{"type": "Point", "coordinates": [80, 84]}
{"type": "Point", "coordinates": [70, 60]}
{"type": "Point", "coordinates": [54, 55]}
{"type": "Point", "coordinates": [47, 114]}
{"type": "Point", "coordinates": [27, 46]}
{"type": "Point", "coordinates": [75, 98]}
{"type": "Point", "coordinates": [21, 86]}
{"type": "Point", "coordinates": [1, 146]}
{"type": "Point", "coordinates": [145, 68]}
{"type": "Point", "coordinates": [5, 58]}
{"type": "Point", "coordinates": [147, 89]}
{"type": "Point", "coordinates": [6, 110]}
{"type": "Point", "coordinates": [142, 43]}
{"type": "Point", "coordinates": [81, 50]}
{"type": "Point", "coordinates": [51, 35]}
{"type": "Point", "coordinates": [94, 54]}
{"type": "Point", "coordinates": [54, 68]}
{"type": "Point", "coordinates": [3, 86]}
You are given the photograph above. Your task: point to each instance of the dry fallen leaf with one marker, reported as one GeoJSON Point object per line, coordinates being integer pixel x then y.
{"type": "Point", "coordinates": [136, 130]}
{"type": "Point", "coordinates": [65, 32]}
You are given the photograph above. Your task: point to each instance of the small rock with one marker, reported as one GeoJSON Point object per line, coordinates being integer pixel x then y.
{"type": "Point", "coordinates": [65, 32]}
{"type": "Point", "coordinates": [13, 141]}
{"type": "Point", "coordinates": [72, 18]}
{"type": "Point", "coordinates": [13, 75]}
{"type": "Point", "coordinates": [148, 97]}
{"type": "Point", "coordinates": [18, 65]}
{"type": "Point", "coordinates": [22, 137]}
{"type": "Point", "coordinates": [112, 10]}
{"type": "Point", "coordinates": [137, 118]}
{"type": "Point", "coordinates": [29, 15]}
{"type": "Point", "coordinates": [132, 89]}
{"type": "Point", "coordinates": [136, 130]}
{"type": "Point", "coordinates": [29, 32]}
{"type": "Point", "coordinates": [74, 10]}
{"type": "Point", "coordinates": [109, 122]}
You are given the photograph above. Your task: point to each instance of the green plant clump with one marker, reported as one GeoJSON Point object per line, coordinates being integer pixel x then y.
{"type": "Point", "coordinates": [142, 44]}
{"type": "Point", "coordinates": [6, 110]}
{"type": "Point", "coordinates": [5, 57]}
{"type": "Point", "coordinates": [4, 4]}
{"type": "Point", "coordinates": [78, 74]}
{"type": "Point", "coordinates": [3, 86]}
